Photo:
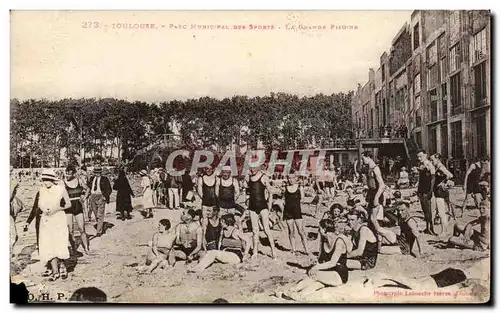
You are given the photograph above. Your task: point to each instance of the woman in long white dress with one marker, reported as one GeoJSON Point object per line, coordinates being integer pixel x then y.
{"type": "Point", "coordinates": [54, 232]}
{"type": "Point", "coordinates": [147, 193]}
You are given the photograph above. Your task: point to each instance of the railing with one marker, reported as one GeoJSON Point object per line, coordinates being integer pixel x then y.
{"type": "Point", "coordinates": [325, 144]}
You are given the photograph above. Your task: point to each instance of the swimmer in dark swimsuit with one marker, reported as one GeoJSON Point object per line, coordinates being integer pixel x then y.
{"type": "Point", "coordinates": [159, 247]}
{"type": "Point", "coordinates": [234, 246]}
{"type": "Point", "coordinates": [426, 180]}
{"type": "Point", "coordinates": [375, 196]}
{"type": "Point", "coordinates": [211, 230]}
{"type": "Point", "coordinates": [76, 189]}
{"type": "Point", "coordinates": [441, 194]}
{"type": "Point", "coordinates": [188, 238]}
{"type": "Point", "coordinates": [365, 252]}
{"type": "Point", "coordinates": [473, 177]}
{"type": "Point", "coordinates": [403, 243]}
{"type": "Point", "coordinates": [469, 238]}
{"type": "Point", "coordinates": [206, 190]}
{"type": "Point", "coordinates": [258, 206]}
{"type": "Point", "coordinates": [292, 212]}
{"type": "Point", "coordinates": [227, 190]}
{"type": "Point", "coordinates": [331, 269]}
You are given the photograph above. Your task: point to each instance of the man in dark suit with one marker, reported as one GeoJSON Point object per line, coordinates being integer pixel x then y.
{"type": "Point", "coordinates": [98, 195]}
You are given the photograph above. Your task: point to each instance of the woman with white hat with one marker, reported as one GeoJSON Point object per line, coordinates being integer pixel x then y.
{"type": "Point", "coordinates": [147, 193]}
{"type": "Point", "coordinates": [54, 232]}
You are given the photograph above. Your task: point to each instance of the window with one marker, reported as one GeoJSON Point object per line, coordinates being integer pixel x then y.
{"type": "Point", "coordinates": [383, 72]}
{"type": "Point", "coordinates": [400, 99]}
{"type": "Point", "coordinates": [444, 140]}
{"type": "Point", "coordinates": [384, 112]}
{"type": "Point", "coordinates": [416, 36]}
{"type": "Point", "coordinates": [478, 47]}
{"type": "Point", "coordinates": [371, 122]}
{"type": "Point", "coordinates": [481, 140]}
{"type": "Point", "coordinates": [432, 77]}
{"type": "Point", "coordinates": [418, 139]}
{"type": "Point", "coordinates": [456, 140]}
{"type": "Point", "coordinates": [479, 84]}
{"type": "Point", "coordinates": [432, 139]}
{"type": "Point", "coordinates": [365, 118]}
{"type": "Point", "coordinates": [432, 54]}
{"type": "Point", "coordinates": [416, 83]}
{"type": "Point", "coordinates": [442, 46]}
{"type": "Point", "coordinates": [433, 106]}
{"type": "Point", "coordinates": [443, 69]}
{"type": "Point", "coordinates": [417, 110]}
{"type": "Point", "coordinates": [456, 99]}
{"type": "Point", "coordinates": [418, 117]}
{"type": "Point", "coordinates": [416, 64]}
{"type": "Point", "coordinates": [444, 100]}
{"type": "Point", "coordinates": [455, 57]}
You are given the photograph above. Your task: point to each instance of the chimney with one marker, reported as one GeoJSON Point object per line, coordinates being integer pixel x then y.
{"type": "Point", "coordinates": [371, 74]}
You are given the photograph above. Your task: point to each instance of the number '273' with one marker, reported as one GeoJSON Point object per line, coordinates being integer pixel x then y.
{"type": "Point", "coordinates": [90, 24]}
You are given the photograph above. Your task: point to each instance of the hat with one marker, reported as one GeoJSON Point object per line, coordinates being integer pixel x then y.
{"type": "Point", "coordinates": [226, 168]}
{"type": "Point", "coordinates": [143, 172]}
{"type": "Point", "coordinates": [49, 174]}
{"type": "Point", "coordinates": [98, 169]}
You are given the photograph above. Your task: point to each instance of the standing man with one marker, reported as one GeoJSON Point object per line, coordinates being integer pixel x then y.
{"type": "Point", "coordinates": [98, 195]}
{"type": "Point", "coordinates": [227, 190]}
{"type": "Point", "coordinates": [259, 207]}
{"type": "Point", "coordinates": [374, 196]}
{"type": "Point", "coordinates": [426, 179]}
{"type": "Point", "coordinates": [475, 174]}
{"type": "Point", "coordinates": [206, 190]}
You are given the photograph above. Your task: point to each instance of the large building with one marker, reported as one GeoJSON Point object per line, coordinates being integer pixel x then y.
{"type": "Point", "coordinates": [433, 87]}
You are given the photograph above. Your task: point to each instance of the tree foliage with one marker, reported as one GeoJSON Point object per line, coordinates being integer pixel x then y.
{"type": "Point", "coordinates": [45, 132]}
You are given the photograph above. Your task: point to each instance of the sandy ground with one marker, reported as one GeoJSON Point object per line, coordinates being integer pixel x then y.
{"type": "Point", "coordinates": [117, 254]}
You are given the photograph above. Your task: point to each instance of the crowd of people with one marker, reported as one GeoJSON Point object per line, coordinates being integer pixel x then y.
{"type": "Point", "coordinates": [356, 214]}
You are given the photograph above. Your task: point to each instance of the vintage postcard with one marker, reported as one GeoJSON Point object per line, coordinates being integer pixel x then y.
{"type": "Point", "coordinates": [250, 156]}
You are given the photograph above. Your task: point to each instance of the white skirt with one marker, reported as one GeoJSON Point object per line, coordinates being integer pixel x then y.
{"type": "Point", "coordinates": [53, 237]}
{"type": "Point", "coordinates": [147, 199]}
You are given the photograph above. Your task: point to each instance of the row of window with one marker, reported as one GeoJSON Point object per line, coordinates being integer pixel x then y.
{"type": "Point", "coordinates": [480, 139]}
{"type": "Point", "coordinates": [455, 136]}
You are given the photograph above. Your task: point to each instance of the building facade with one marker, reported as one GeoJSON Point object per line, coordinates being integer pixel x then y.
{"type": "Point", "coordinates": [433, 86]}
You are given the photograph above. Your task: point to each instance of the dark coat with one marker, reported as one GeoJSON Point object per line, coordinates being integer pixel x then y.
{"type": "Point", "coordinates": [123, 195]}
{"type": "Point", "coordinates": [105, 186]}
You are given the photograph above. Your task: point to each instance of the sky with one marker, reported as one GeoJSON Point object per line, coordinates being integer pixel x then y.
{"type": "Point", "coordinates": [55, 54]}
